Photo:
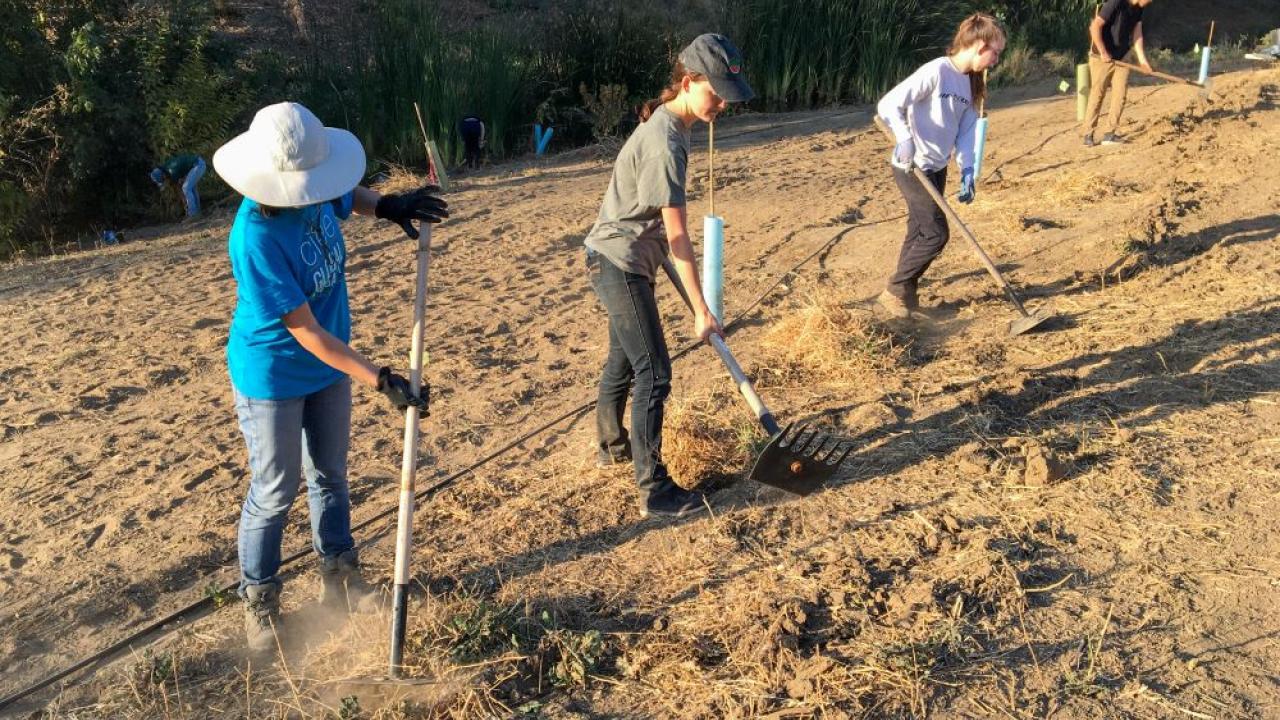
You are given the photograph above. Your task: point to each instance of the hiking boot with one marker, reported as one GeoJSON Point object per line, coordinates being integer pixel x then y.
{"type": "Point", "coordinates": [614, 456]}
{"type": "Point", "coordinates": [893, 306]}
{"type": "Point", "coordinates": [262, 618]}
{"type": "Point", "coordinates": [1112, 139]}
{"type": "Point", "coordinates": [1088, 140]}
{"type": "Point", "coordinates": [674, 503]}
{"type": "Point", "coordinates": [342, 586]}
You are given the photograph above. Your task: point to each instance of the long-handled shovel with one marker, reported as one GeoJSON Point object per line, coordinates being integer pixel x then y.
{"type": "Point", "coordinates": [797, 459]}
{"type": "Point", "coordinates": [1206, 88]}
{"type": "Point", "coordinates": [1028, 321]}
{"type": "Point", "coordinates": [409, 462]}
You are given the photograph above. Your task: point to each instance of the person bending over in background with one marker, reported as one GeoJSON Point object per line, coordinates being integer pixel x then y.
{"type": "Point", "coordinates": [287, 351]}
{"type": "Point", "coordinates": [643, 219]}
{"type": "Point", "coordinates": [185, 172]}
{"type": "Point", "coordinates": [1115, 29]}
{"type": "Point", "coordinates": [471, 128]}
{"type": "Point", "coordinates": [932, 114]}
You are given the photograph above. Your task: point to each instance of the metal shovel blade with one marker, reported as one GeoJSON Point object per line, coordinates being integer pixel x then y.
{"type": "Point", "coordinates": [1030, 322]}
{"type": "Point", "coordinates": [800, 459]}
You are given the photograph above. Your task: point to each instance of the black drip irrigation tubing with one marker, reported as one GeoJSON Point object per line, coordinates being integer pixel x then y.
{"type": "Point", "coordinates": [206, 605]}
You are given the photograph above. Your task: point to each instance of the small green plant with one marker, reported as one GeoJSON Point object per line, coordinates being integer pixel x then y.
{"type": "Point", "coordinates": [479, 630]}
{"type": "Point", "coordinates": [349, 708]}
{"type": "Point", "coordinates": [156, 668]}
{"type": "Point", "coordinates": [220, 596]}
{"type": "Point", "coordinates": [576, 655]}
{"type": "Point", "coordinates": [750, 441]}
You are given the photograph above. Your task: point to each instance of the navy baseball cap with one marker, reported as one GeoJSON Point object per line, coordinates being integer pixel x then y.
{"type": "Point", "coordinates": [714, 56]}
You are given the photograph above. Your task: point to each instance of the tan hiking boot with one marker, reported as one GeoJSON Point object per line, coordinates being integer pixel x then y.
{"type": "Point", "coordinates": [343, 587]}
{"type": "Point", "coordinates": [893, 306]}
{"type": "Point", "coordinates": [262, 618]}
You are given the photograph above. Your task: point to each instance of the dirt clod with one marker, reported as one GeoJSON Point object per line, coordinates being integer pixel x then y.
{"type": "Point", "coordinates": [1043, 467]}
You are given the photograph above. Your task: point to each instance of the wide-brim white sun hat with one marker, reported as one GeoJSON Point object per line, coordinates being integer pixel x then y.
{"type": "Point", "coordinates": [288, 158]}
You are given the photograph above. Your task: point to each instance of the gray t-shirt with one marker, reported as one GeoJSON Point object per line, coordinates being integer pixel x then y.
{"type": "Point", "coordinates": [934, 107]}
{"type": "Point", "coordinates": [648, 175]}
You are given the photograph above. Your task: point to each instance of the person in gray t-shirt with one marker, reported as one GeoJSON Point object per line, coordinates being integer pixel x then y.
{"type": "Point", "coordinates": [641, 221]}
{"type": "Point", "coordinates": [933, 114]}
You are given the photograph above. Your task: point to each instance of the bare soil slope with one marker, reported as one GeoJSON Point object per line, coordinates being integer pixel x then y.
{"type": "Point", "coordinates": [1079, 523]}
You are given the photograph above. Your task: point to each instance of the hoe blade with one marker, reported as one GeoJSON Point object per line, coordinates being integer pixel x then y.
{"type": "Point", "coordinates": [1030, 322]}
{"type": "Point", "coordinates": [800, 459]}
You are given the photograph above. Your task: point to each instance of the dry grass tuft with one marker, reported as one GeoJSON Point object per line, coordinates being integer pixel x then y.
{"type": "Point", "coordinates": [826, 340]}
{"type": "Point", "coordinates": [705, 438]}
{"type": "Point", "coordinates": [400, 179]}
{"type": "Point", "coordinates": [1086, 187]}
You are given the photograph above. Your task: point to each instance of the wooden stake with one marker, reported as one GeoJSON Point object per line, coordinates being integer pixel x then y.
{"type": "Point", "coordinates": [433, 160]}
{"type": "Point", "coordinates": [711, 163]}
{"type": "Point", "coordinates": [1211, 24]}
{"type": "Point", "coordinates": [982, 106]}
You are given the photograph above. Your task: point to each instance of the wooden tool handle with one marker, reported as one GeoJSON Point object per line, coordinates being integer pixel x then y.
{"type": "Point", "coordinates": [1157, 73]}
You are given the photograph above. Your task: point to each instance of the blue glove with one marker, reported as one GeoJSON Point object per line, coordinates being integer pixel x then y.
{"type": "Point", "coordinates": [904, 153]}
{"type": "Point", "coordinates": [967, 186]}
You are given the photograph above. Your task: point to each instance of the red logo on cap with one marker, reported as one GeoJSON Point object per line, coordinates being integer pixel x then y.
{"type": "Point", "coordinates": [735, 69]}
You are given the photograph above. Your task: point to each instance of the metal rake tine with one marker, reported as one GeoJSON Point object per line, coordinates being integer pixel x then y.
{"type": "Point", "coordinates": [818, 445]}
{"type": "Point", "coordinates": [807, 447]}
{"type": "Point", "coordinates": [787, 437]}
{"type": "Point", "coordinates": [848, 448]}
{"type": "Point", "coordinates": [827, 447]}
{"type": "Point", "coordinates": [828, 458]}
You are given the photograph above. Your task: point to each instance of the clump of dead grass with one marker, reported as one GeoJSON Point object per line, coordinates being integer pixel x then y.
{"type": "Point", "coordinates": [706, 439]}
{"type": "Point", "coordinates": [1086, 187]}
{"type": "Point", "coordinates": [399, 179]}
{"type": "Point", "coordinates": [828, 341]}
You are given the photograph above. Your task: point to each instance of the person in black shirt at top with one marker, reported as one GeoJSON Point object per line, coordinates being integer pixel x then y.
{"type": "Point", "coordinates": [1115, 30]}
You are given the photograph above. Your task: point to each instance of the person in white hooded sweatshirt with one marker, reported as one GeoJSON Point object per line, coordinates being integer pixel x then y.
{"type": "Point", "coordinates": [934, 114]}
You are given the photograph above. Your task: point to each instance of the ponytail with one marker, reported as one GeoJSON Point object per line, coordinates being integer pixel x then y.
{"type": "Point", "coordinates": [977, 27]}
{"type": "Point", "coordinates": [670, 92]}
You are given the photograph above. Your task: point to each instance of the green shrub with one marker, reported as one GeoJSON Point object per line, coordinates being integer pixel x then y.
{"type": "Point", "coordinates": [607, 106]}
{"type": "Point", "coordinates": [106, 89]}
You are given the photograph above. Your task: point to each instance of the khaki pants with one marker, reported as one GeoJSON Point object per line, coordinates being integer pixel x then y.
{"type": "Point", "coordinates": [1101, 75]}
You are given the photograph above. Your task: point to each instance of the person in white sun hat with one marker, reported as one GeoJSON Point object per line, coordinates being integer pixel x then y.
{"type": "Point", "coordinates": [287, 350]}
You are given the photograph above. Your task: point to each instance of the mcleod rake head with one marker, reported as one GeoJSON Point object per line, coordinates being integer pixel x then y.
{"type": "Point", "coordinates": [800, 459]}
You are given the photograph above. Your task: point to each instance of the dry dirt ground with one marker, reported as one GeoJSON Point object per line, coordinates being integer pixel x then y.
{"type": "Point", "coordinates": [1077, 523]}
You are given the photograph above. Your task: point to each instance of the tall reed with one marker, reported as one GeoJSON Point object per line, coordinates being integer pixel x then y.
{"type": "Point", "coordinates": [409, 57]}
{"type": "Point", "coordinates": [820, 52]}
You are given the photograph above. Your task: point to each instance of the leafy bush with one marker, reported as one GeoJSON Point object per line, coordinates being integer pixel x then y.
{"type": "Point", "coordinates": [607, 106]}
{"type": "Point", "coordinates": [96, 92]}
{"type": "Point", "coordinates": [106, 90]}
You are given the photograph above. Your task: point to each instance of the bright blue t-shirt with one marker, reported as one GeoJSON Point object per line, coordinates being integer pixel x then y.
{"type": "Point", "coordinates": [279, 263]}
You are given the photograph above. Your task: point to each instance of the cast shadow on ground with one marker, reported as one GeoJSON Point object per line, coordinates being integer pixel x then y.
{"type": "Point", "coordinates": [1172, 251]}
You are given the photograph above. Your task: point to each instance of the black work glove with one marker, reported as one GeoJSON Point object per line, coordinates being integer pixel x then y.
{"type": "Point", "coordinates": [400, 393]}
{"type": "Point", "coordinates": [403, 208]}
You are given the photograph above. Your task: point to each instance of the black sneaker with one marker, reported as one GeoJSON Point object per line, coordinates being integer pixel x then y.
{"type": "Point", "coordinates": [1112, 139]}
{"type": "Point", "coordinates": [1088, 140]}
{"type": "Point", "coordinates": [676, 503]}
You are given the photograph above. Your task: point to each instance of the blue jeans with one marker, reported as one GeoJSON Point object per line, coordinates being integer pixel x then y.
{"type": "Point", "coordinates": [189, 188]}
{"type": "Point", "coordinates": [288, 439]}
{"type": "Point", "coordinates": [637, 356]}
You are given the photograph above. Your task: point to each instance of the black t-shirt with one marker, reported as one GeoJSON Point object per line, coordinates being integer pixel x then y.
{"type": "Point", "coordinates": [1119, 18]}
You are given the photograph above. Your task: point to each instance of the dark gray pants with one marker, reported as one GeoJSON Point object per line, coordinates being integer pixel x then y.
{"type": "Point", "coordinates": [927, 233]}
{"type": "Point", "coordinates": [637, 356]}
